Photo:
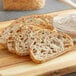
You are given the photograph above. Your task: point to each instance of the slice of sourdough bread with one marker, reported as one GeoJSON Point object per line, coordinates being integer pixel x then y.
{"type": "Point", "coordinates": [21, 40]}
{"type": "Point", "coordinates": [17, 39]}
{"type": "Point", "coordinates": [48, 47]}
{"type": "Point", "coordinates": [5, 34]}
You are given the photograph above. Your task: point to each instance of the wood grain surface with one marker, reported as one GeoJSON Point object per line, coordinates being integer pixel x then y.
{"type": "Point", "coordinates": [13, 65]}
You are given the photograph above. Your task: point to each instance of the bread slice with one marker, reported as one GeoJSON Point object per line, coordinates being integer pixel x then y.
{"type": "Point", "coordinates": [48, 47]}
{"type": "Point", "coordinates": [21, 41]}
{"type": "Point", "coordinates": [43, 21]}
{"type": "Point", "coordinates": [5, 34]}
{"type": "Point", "coordinates": [14, 41]}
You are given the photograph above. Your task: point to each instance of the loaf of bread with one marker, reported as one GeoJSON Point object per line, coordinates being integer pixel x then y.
{"type": "Point", "coordinates": [23, 4]}
{"type": "Point", "coordinates": [46, 47]}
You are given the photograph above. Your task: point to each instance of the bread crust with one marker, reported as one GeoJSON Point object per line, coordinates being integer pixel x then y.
{"type": "Point", "coordinates": [23, 4]}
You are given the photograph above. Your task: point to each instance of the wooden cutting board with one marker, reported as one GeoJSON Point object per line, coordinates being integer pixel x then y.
{"type": "Point", "coordinates": [13, 65]}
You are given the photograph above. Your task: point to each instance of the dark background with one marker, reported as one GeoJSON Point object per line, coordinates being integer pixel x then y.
{"type": "Point", "coordinates": [51, 6]}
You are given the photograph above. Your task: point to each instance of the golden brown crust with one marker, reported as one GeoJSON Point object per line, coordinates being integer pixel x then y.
{"type": "Point", "coordinates": [23, 4]}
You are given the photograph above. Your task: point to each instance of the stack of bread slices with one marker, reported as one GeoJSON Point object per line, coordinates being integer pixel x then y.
{"type": "Point", "coordinates": [35, 36]}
